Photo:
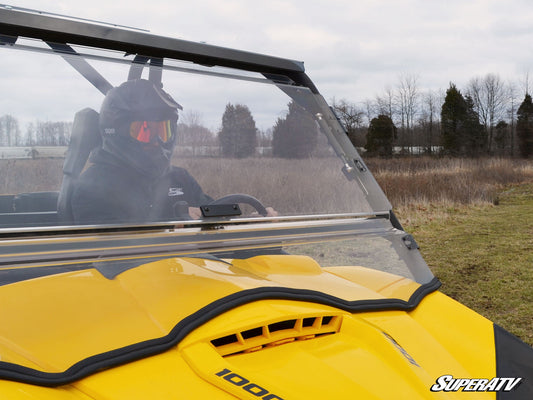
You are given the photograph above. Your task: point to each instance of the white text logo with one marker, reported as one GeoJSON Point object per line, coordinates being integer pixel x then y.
{"type": "Point", "coordinates": [175, 191]}
{"type": "Point", "coordinates": [448, 383]}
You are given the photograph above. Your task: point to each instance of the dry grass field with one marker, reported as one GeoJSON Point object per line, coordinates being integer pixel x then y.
{"type": "Point", "coordinates": [410, 183]}
{"type": "Point", "coordinates": [422, 181]}
{"type": "Point", "coordinates": [32, 175]}
{"type": "Point", "coordinates": [291, 186]}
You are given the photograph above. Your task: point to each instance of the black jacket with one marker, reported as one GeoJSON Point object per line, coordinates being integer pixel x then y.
{"type": "Point", "coordinates": [111, 192]}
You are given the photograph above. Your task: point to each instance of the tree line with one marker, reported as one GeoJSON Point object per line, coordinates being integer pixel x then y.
{"type": "Point", "coordinates": [38, 133]}
{"type": "Point", "coordinates": [294, 135]}
{"type": "Point", "coordinates": [487, 118]}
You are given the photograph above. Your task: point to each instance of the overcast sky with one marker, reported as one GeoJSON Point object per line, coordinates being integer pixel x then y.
{"type": "Point", "coordinates": [352, 49]}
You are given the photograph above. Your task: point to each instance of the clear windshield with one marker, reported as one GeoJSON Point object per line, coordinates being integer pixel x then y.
{"type": "Point", "coordinates": [97, 138]}
{"type": "Point", "coordinates": [234, 134]}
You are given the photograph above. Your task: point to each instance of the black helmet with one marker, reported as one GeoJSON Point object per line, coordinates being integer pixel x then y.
{"type": "Point", "coordinates": [138, 122]}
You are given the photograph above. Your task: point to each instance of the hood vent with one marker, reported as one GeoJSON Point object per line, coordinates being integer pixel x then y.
{"type": "Point", "coordinates": [277, 333]}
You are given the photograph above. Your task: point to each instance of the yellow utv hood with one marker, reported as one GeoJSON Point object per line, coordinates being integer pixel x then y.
{"type": "Point", "coordinates": [278, 326]}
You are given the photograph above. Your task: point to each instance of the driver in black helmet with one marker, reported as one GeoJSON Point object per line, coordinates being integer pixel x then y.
{"type": "Point", "coordinates": [131, 179]}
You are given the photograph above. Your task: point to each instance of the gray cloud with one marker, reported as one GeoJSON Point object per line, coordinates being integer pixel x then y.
{"type": "Point", "coordinates": [352, 49]}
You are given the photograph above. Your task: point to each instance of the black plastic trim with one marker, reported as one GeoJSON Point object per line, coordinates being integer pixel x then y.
{"type": "Point", "coordinates": [514, 359]}
{"type": "Point", "coordinates": [90, 365]}
{"type": "Point", "coordinates": [394, 221]}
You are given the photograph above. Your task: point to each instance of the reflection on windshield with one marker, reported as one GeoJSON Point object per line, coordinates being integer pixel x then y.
{"type": "Point", "coordinates": [159, 151]}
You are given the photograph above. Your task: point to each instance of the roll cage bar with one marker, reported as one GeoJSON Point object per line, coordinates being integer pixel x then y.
{"type": "Point", "coordinates": [52, 28]}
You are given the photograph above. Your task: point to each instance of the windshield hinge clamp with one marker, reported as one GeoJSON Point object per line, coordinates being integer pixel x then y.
{"type": "Point", "coordinates": [410, 242]}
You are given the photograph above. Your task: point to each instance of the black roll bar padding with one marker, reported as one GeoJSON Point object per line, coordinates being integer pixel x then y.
{"type": "Point", "coordinates": [137, 66]}
{"type": "Point", "coordinates": [155, 72]}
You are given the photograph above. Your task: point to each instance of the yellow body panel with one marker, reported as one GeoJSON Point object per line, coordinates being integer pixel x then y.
{"type": "Point", "coordinates": [285, 349]}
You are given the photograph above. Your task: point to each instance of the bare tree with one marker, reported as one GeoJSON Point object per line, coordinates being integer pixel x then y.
{"type": "Point", "coordinates": [9, 131]}
{"type": "Point", "coordinates": [497, 97]}
{"type": "Point", "coordinates": [370, 110]}
{"type": "Point", "coordinates": [525, 83]}
{"type": "Point", "coordinates": [351, 117]}
{"type": "Point", "coordinates": [192, 132]}
{"type": "Point", "coordinates": [385, 104]}
{"type": "Point", "coordinates": [407, 105]}
{"type": "Point", "coordinates": [50, 133]}
{"type": "Point", "coordinates": [511, 113]}
{"type": "Point", "coordinates": [490, 98]}
{"type": "Point", "coordinates": [429, 118]}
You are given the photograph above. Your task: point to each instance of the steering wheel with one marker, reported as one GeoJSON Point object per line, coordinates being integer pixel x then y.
{"type": "Point", "coordinates": [242, 199]}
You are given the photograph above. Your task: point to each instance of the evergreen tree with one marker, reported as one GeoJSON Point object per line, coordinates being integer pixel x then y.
{"type": "Point", "coordinates": [474, 135]}
{"type": "Point", "coordinates": [453, 116]}
{"type": "Point", "coordinates": [500, 137]}
{"type": "Point", "coordinates": [238, 136]}
{"type": "Point", "coordinates": [381, 134]}
{"type": "Point", "coordinates": [294, 136]}
{"type": "Point", "coordinates": [462, 133]}
{"type": "Point", "coordinates": [524, 127]}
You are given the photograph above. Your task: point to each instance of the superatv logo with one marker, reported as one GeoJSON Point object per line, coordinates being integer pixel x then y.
{"type": "Point", "coordinates": [448, 383]}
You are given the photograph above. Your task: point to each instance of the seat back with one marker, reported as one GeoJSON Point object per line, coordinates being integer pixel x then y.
{"type": "Point", "coordinates": [84, 138]}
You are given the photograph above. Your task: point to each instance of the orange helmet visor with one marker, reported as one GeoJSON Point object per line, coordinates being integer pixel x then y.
{"type": "Point", "coordinates": [147, 131]}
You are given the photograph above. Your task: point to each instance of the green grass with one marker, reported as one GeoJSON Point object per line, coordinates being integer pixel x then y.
{"type": "Point", "coordinates": [484, 255]}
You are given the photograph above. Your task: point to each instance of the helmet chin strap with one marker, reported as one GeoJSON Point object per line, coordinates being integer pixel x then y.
{"type": "Point", "coordinates": [143, 158]}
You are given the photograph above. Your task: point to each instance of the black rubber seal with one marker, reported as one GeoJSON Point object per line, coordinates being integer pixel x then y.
{"type": "Point", "coordinates": [90, 365]}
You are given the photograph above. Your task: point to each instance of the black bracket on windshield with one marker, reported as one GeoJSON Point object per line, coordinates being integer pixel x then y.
{"type": "Point", "coordinates": [221, 210]}
{"type": "Point", "coordinates": [410, 242]}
